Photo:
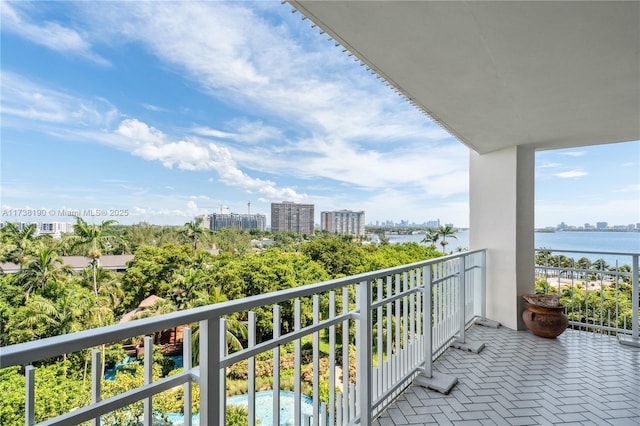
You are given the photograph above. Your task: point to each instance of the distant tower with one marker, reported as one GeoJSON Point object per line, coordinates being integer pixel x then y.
{"type": "Point", "coordinates": [290, 216]}
{"type": "Point", "coordinates": [343, 222]}
{"type": "Point", "coordinates": [249, 208]}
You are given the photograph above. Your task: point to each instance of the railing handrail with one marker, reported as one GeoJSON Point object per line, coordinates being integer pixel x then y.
{"type": "Point", "coordinates": [29, 352]}
{"type": "Point", "coordinates": [614, 273]}
{"type": "Point", "coordinates": [608, 253]}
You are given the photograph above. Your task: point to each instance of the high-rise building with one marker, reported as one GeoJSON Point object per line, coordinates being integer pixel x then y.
{"type": "Point", "coordinates": [237, 221]}
{"type": "Point", "coordinates": [55, 229]}
{"type": "Point", "coordinates": [602, 225]}
{"type": "Point", "coordinates": [289, 216]}
{"type": "Point", "coordinates": [434, 224]}
{"type": "Point", "coordinates": [343, 222]}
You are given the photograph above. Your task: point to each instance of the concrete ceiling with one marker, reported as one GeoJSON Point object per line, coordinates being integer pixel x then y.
{"type": "Point", "coordinates": [496, 74]}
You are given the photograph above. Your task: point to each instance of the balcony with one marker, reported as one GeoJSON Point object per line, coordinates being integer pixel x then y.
{"type": "Point", "coordinates": [393, 353]}
{"type": "Point", "coordinates": [521, 379]}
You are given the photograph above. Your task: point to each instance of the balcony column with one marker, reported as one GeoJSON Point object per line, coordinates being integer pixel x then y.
{"type": "Point", "coordinates": [501, 198]}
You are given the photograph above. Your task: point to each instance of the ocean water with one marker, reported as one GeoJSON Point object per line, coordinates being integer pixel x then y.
{"type": "Point", "coordinates": [611, 242]}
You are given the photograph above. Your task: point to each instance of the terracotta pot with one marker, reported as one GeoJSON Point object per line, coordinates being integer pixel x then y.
{"type": "Point", "coordinates": [544, 315]}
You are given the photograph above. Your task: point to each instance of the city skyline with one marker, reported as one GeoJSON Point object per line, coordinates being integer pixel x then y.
{"type": "Point", "coordinates": [115, 109]}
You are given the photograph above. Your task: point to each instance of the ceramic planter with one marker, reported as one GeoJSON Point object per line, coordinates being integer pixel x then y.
{"type": "Point", "coordinates": [544, 315]}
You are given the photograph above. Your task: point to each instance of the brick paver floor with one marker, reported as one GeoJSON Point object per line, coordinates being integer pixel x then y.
{"type": "Point", "coordinates": [580, 378]}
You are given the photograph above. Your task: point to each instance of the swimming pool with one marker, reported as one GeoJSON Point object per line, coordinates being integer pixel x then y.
{"type": "Point", "coordinates": [264, 408]}
{"type": "Point", "coordinates": [264, 400]}
{"type": "Point", "coordinates": [110, 374]}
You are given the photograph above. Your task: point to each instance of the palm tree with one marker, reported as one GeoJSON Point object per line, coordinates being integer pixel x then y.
{"type": "Point", "coordinates": [189, 285]}
{"type": "Point", "coordinates": [382, 238]}
{"type": "Point", "coordinates": [109, 287]}
{"type": "Point", "coordinates": [71, 311]}
{"type": "Point", "coordinates": [431, 236]}
{"type": "Point", "coordinates": [444, 232]}
{"type": "Point", "coordinates": [193, 231]}
{"type": "Point", "coordinates": [235, 328]}
{"type": "Point", "coordinates": [543, 255]}
{"type": "Point", "coordinates": [42, 268]}
{"type": "Point", "coordinates": [94, 239]}
{"type": "Point", "coordinates": [600, 264]}
{"type": "Point", "coordinates": [19, 241]}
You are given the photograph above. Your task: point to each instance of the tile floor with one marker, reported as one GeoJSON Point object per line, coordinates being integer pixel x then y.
{"type": "Point", "coordinates": [580, 378]}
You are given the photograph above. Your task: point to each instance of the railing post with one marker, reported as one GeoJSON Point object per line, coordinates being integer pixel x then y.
{"type": "Point", "coordinates": [363, 349]}
{"type": "Point", "coordinates": [462, 298]}
{"type": "Point", "coordinates": [210, 371]}
{"type": "Point", "coordinates": [634, 339]}
{"type": "Point", "coordinates": [315, 381]}
{"type": "Point", "coordinates": [187, 365]}
{"type": "Point", "coordinates": [223, 352]}
{"type": "Point", "coordinates": [251, 391]}
{"type": "Point", "coordinates": [460, 342]}
{"type": "Point", "coordinates": [483, 285]}
{"type": "Point", "coordinates": [96, 380]}
{"type": "Point", "coordinates": [29, 387]}
{"type": "Point", "coordinates": [427, 322]}
{"type": "Point", "coordinates": [276, 367]}
{"type": "Point", "coordinates": [148, 378]}
{"type": "Point", "coordinates": [483, 294]}
{"type": "Point", "coordinates": [428, 378]}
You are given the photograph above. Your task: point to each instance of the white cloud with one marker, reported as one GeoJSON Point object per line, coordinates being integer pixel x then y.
{"type": "Point", "coordinates": [213, 133]}
{"type": "Point", "coordinates": [154, 108]}
{"type": "Point", "coordinates": [629, 188]}
{"type": "Point", "coordinates": [571, 174]}
{"type": "Point", "coordinates": [245, 131]}
{"type": "Point", "coordinates": [574, 153]}
{"type": "Point", "coordinates": [51, 35]}
{"type": "Point", "coordinates": [547, 165]}
{"type": "Point", "coordinates": [195, 155]}
{"type": "Point", "coordinates": [234, 54]}
{"type": "Point", "coordinates": [317, 123]}
{"type": "Point", "coordinates": [33, 103]}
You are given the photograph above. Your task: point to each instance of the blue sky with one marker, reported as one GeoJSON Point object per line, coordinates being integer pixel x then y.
{"type": "Point", "coordinates": [169, 110]}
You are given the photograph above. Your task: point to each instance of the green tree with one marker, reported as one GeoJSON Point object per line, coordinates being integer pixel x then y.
{"type": "Point", "coordinates": [58, 391]}
{"type": "Point", "coordinates": [193, 231]}
{"type": "Point", "coordinates": [75, 309]}
{"type": "Point", "coordinates": [108, 284]}
{"type": "Point", "coordinates": [431, 236]}
{"type": "Point", "coordinates": [153, 271]}
{"type": "Point", "coordinates": [232, 240]}
{"type": "Point", "coordinates": [17, 242]}
{"type": "Point", "coordinates": [189, 285]}
{"type": "Point", "coordinates": [93, 239]}
{"type": "Point", "coordinates": [340, 258]}
{"type": "Point", "coordinates": [382, 238]}
{"type": "Point", "coordinates": [41, 269]}
{"type": "Point", "coordinates": [236, 330]}
{"type": "Point", "coordinates": [444, 232]}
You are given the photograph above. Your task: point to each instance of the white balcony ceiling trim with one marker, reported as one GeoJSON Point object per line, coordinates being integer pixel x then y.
{"type": "Point", "coordinates": [497, 74]}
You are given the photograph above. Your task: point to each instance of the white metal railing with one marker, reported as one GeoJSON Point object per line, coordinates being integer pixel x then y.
{"type": "Point", "coordinates": [597, 296]}
{"type": "Point", "coordinates": [400, 320]}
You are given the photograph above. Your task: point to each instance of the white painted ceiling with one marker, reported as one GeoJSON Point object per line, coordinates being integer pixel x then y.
{"type": "Point", "coordinates": [550, 74]}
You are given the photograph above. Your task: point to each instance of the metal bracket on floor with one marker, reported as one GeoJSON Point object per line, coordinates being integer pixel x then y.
{"type": "Point", "coordinates": [438, 382]}
{"type": "Point", "coordinates": [625, 339]}
{"type": "Point", "coordinates": [468, 345]}
{"type": "Point", "coordinates": [487, 323]}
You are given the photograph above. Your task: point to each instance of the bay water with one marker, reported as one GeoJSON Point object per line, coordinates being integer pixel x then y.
{"type": "Point", "coordinates": [612, 242]}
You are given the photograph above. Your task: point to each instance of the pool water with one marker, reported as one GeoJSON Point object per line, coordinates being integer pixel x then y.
{"type": "Point", "coordinates": [110, 374]}
{"type": "Point", "coordinates": [264, 400]}
{"type": "Point", "coordinates": [264, 408]}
